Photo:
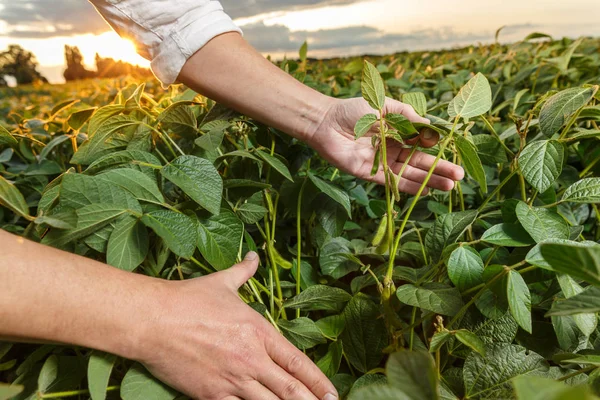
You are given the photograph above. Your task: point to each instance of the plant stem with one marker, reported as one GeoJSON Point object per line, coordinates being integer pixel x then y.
{"type": "Point", "coordinates": [72, 393]}
{"type": "Point", "coordinates": [299, 236]}
{"type": "Point", "coordinates": [495, 134]}
{"type": "Point", "coordinates": [412, 329]}
{"type": "Point", "coordinates": [388, 202]}
{"type": "Point", "coordinates": [581, 371]}
{"type": "Point", "coordinates": [496, 190]}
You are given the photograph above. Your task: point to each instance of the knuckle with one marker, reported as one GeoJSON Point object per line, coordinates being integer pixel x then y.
{"type": "Point", "coordinates": [295, 364]}
{"type": "Point", "coordinates": [291, 389]}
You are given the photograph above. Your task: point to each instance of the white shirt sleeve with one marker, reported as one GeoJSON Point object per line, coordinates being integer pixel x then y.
{"type": "Point", "coordinates": [166, 32]}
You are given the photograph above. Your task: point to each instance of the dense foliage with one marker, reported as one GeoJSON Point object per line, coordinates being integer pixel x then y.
{"type": "Point", "coordinates": [487, 292]}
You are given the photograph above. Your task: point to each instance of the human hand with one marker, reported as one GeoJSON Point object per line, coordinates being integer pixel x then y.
{"type": "Point", "coordinates": [334, 141]}
{"type": "Point", "coordinates": [205, 342]}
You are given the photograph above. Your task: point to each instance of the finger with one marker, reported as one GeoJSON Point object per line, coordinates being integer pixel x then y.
{"type": "Point", "coordinates": [395, 106]}
{"type": "Point", "coordinates": [418, 175]}
{"type": "Point", "coordinates": [424, 161]}
{"type": "Point", "coordinates": [296, 363]}
{"type": "Point", "coordinates": [240, 273]}
{"type": "Point", "coordinates": [405, 185]}
{"type": "Point", "coordinates": [232, 398]}
{"type": "Point", "coordinates": [254, 390]}
{"type": "Point", "coordinates": [284, 385]}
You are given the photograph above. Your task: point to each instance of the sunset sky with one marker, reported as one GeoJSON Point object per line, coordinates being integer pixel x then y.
{"type": "Point", "coordinates": [332, 27]}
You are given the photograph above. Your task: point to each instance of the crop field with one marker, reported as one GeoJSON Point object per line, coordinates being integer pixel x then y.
{"type": "Point", "coordinates": [489, 291]}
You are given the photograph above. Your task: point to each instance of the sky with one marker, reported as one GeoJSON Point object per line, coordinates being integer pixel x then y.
{"type": "Point", "coordinates": [331, 27]}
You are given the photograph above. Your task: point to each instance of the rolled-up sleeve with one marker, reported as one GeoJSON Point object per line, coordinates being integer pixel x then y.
{"type": "Point", "coordinates": [166, 32]}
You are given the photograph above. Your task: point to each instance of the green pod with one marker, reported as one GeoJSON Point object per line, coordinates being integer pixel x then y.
{"type": "Point", "coordinates": [381, 231]}
{"type": "Point", "coordinates": [394, 181]}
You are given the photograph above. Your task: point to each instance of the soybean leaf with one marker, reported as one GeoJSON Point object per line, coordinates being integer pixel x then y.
{"type": "Point", "coordinates": [446, 230]}
{"type": "Point", "coordinates": [329, 364]}
{"type": "Point", "coordinates": [489, 149]}
{"type": "Point", "coordinates": [319, 297]}
{"type": "Point", "coordinates": [400, 123]}
{"type": "Point", "coordinates": [540, 388]}
{"type": "Point", "coordinates": [11, 198]}
{"type": "Point", "coordinates": [417, 100]}
{"type": "Point", "coordinates": [251, 213]}
{"type": "Point", "coordinates": [465, 268]}
{"type": "Point", "coordinates": [541, 163]}
{"type": "Point", "coordinates": [128, 244]}
{"type": "Point", "coordinates": [334, 260]}
{"type": "Point", "coordinates": [558, 108]}
{"type": "Point", "coordinates": [60, 373]}
{"type": "Point", "coordinates": [373, 90]}
{"type": "Point", "coordinates": [471, 161]}
{"type": "Point", "coordinates": [302, 332]}
{"type": "Point", "coordinates": [364, 124]}
{"type": "Point", "coordinates": [139, 384]}
{"type": "Point", "coordinates": [125, 159]}
{"type": "Point", "coordinates": [439, 339]}
{"type": "Point", "coordinates": [6, 139]}
{"type": "Point", "coordinates": [332, 191]}
{"type": "Point", "coordinates": [77, 190]}
{"type": "Point", "coordinates": [512, 235]}
{"type": "Point", "coordinates": [7, 392]}
{"type": "Point", "coordinates": [219, 239]}
{"type": "Point", "coordinates": [414, 374]}
{"type": "Point", "coordinates": [584, 191]}
{"type": "Point", "coordinates": [78, 118]}
{"type": "Point", "coordinates": [432, 297]}
{"type": "Point", "coordinates": [198, 178]}
{"type": "Point", "coordinates": [178, 231]}
{"type": "Point", "coordinates": [470, 340]}
{"type": "Point", "coordinates": [473, 99]}
{"type": "Point", "coordinates": [490, 376]}
{"type": "Point", "coordinates": [585, 322]}
{"type": "Point", "coordinates": [332, 326]}
{"type": "Point", "coordinates": [588, 301]}
{"type": "Point", "coordinates": [542, 223]}
{"type": "Point", "coordinates": [137, 183]}
{"type": "Point", "coordinates": [211, 140]}
{"type": "Point", "coordinates": [578, 260]}
{"type": "Point", "coordinates": [276, 164]}
{"type": "Point", "coordinates": [374, 387]}
{"type": "Point", "coordinates": [519, 300]}
{"type": "Point", "coordinates": [98, 374]}
{"type": "Point", "coordinates": [365, 335]}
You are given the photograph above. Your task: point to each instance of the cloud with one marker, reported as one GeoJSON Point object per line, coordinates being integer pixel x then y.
{"type": "Point", "coordinates": [278, 39]}
{"type": "Point", "coordinates": [250, 8]}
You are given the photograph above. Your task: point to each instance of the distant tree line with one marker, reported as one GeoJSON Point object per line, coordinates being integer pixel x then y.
{"type": "Point", "coordinates": [105, 67]}
{"type": "Point", "coordinates": [23, 67]}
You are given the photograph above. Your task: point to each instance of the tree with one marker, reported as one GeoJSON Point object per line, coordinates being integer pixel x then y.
{"type": "Point", "coordinates": [21, 64]}
{"type": "Point", "coordinates": [75, 69]}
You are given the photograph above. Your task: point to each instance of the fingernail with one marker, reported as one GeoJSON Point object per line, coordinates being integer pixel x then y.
{"type": "Point", "coordinates": [330, 396]}
{"type": "Point", "coordinates": [428, 134]}
{"type": "Point", "coordinates": [251, 256]}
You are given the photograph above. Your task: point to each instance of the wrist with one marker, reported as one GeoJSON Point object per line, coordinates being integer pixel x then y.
{"type": "Point", "coordinates": [314, 118]}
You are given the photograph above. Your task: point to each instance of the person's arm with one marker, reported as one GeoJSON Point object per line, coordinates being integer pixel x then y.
{"type": "Point", "coordinates": [195, 335]}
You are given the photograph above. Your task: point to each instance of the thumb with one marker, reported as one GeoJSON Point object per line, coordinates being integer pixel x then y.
{"type": "Point", "coordinates": [240, 273]}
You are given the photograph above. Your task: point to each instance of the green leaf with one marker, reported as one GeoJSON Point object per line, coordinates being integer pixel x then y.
{"type": "Point", "coordinates": [584, 191]}
{"type": "Point", "coordinates": [489, 377]}
{"type": "Point", "coordinates": [6, 139]}
{"type": "Point", "coordinates": [11, 198]}
{"type": "Point", "coordinates": [332, 191]}
{"type": "Point", "coordinates": [511, 235]}
{"type": "Point", "coordinates": [432, 297]}
{"type": "Point", "coordinates": [414, 374]}
{"type": "Point", "coordinates": [585, 322]}
{"type": "Point", "coordinates": [471, 161]}
{"type": "Point", "coordinates": [417, 100]}
{"type": "Point", "coordinates": [439, 339]}
{"type": "Point", "coordinates": [465, 268]}
{"type": "Point", "coordinates": [470, 340]}
{"type": "Point", "coordinates": [128, 244]}
{"type": "Point", "coordinates": [101, 115]}
{"type": "Point", "coordinates": [560, 107]}
{"type": "Point", "coordinates": [138, 384]}
{"type": "Point", "coordinates": [542, 223]}
{"type": "Point", "coordinates": [581, 261]}
{"type": "Point", "coordinates": [539, 388]}
{"type": "Point", "coordinates": [364, 124]}
{"type": "Point", "coordinates": [137, 183]}
{"type": "Point", "coordinates": [319, 297]}
{"type": "Point", "coordinates": [219, 239]}
{"type": "Point", "coordinates": [329, 364]}
{"type": "Point", "coordinates": [78, 118]}
{"type": "Point", "coordinates": [60, 373]}
{"type": "Point", "coordinates": [519, 300]}
{"type": "Point", "coordinates": [77, 190]}
{"type": "Point", "coordinates": [212, 139]}
{"type": "Point", "coordinates": [276, 164]}
{"type": "Point", "coordinates": [7, 392]}
{"type": "Point", "coordinates": [125, 158]}
{"type": "Point", "coordinates": [334, 260]}
{"type": "Point", "coordinates": [541, 163]}
{"type": "Point", "coordinates": [98, 374]}
{"type": "Point", "coordinates": [400, 123]}
{"type": "Point", "coordinates": [178, 231]}
{"type": "Point", "coordinates": [473, 99]}
{"type": "Point", "coordinates": [365, 335]}
{"type": "Point", "coordinates": [198, 178]}
{"type": "Point", "coordinates": [373, 90]}
{"type": "Point", "coordinates": [302, 332]}
{"type": "Point", "coordinates": [585, 302]}
{"type": "Point", "coordinates": [251, 213]}
{"type": "Point", "coordinates": [446, 230]}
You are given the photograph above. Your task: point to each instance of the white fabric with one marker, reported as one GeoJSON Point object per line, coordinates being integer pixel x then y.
{"type": "Point", "coordinates": [166, 32]}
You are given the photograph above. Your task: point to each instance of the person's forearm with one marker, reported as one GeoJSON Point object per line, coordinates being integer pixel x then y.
{"type": "Point", "coordinates": [48, 295]}
{"type": "Point", "coordinates": [230, 71]}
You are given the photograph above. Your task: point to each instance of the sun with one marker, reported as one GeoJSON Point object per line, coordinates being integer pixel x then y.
{"type": "Point", "coordinates": [109, 44]}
